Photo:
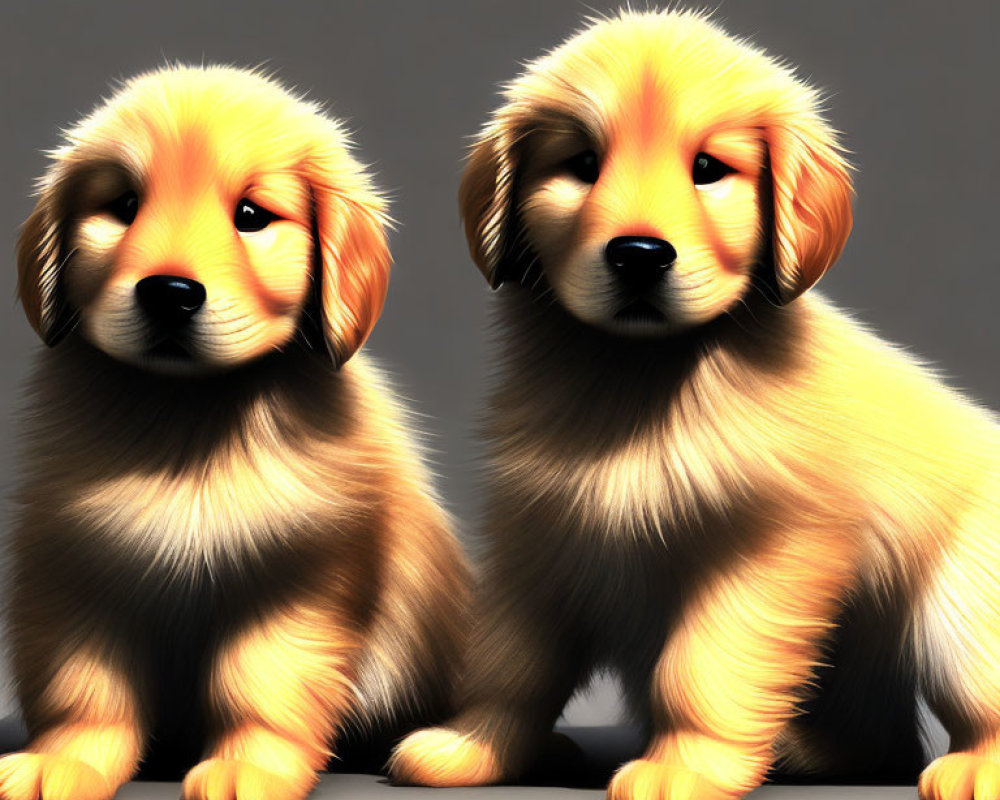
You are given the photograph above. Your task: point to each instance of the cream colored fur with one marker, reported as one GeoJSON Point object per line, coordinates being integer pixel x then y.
{"type": "Point", "coordinates": [708, 499]}
{"type": "Point", "coordinates": [234, 555]}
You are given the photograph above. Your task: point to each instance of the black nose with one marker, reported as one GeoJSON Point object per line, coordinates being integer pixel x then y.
{"type": "Point", "coordinates": [639, 261]}
{"type": "Point", "coordinates": [169, 300]}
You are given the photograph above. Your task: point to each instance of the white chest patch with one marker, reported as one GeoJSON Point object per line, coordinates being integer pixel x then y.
{"type": "Point", "coordinates": [231, 504]}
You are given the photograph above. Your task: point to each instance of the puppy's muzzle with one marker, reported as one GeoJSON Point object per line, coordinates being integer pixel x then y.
{"type": "Point", "coordinates": [639, 262]}
{"type": "Point", "coordinates": [169, 301]}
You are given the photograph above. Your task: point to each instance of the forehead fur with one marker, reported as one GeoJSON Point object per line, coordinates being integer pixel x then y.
{"type": "Point", "coordinates": [240, 119]}
{"type": "Point", "coordinates": [681, 60]}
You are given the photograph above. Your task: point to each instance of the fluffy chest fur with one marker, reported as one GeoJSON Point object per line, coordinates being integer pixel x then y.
{"type": "Point", "coordinates": [630, 438]}
{"type": "Point", "coordinates": [784, 414]}
{"type": "Point", "coordinates": [241, 500]}
{"type": "Point", "coordinates": [163, 473]}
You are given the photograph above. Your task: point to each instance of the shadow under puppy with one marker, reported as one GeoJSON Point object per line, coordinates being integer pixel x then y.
{"type": "Point", "coordinates": [227, 539]}
{"type": "Point", "coordinates": [697, 471]}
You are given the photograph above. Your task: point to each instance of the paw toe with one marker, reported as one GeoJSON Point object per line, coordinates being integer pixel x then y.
{"type": "Point", "coordinates": [960, 776]}
{"type": "Point", "coordinates": [44, 776]}
{"type": "Point", "coordinates": [644, 779]}
{"type": "Point", "coordinates": [443, 757]}
{"type": "Point", "coordinates": [230, 779]}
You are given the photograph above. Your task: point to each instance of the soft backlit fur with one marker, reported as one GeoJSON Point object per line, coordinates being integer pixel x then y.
{"type": "Point", "coordinates": [741, 485]}
{"type": "Point", "coordinates": [233, 552]}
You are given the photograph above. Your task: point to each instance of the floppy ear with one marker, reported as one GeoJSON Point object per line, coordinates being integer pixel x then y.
{"type": "Point", "coordinates": [486, 200]}
{"type": "Point", "coordinates": [353, 273]}
{"type": "Point", "coordinates": [812, 202]}
{"type": "Point", "coordinates": [40, 260]}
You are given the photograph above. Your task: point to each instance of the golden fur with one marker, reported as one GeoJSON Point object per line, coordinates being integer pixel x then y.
{"type": "Point", "coordinates": [241, 543]}
{"type": "Point", "coordinates": [710, 497]}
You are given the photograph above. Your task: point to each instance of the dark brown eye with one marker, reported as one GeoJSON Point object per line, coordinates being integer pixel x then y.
{"type": "Point", "coordinates": [584, 166]}
{"type": "Point", "coordinates": [251, 217]}
{"type": "Point", "coordinates": [708, 169]}
{"type": "Point", "coordinates": [125, 207]}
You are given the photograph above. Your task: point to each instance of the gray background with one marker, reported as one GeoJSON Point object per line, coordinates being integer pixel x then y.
{"type": "Point", "coordinates": [912, 85]}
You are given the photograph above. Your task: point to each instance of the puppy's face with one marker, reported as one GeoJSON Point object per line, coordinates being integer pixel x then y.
{"type": "Point", "coordinates": [641, 167]}
{"type": "Point", "coordinates": [650, 226]}
{"type": "Point", "coordinates": [200, 219]}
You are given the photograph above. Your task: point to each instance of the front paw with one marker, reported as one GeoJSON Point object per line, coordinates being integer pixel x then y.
{"type": "Point", "coordinates": [960, 776]}
{"type": "Point", "coordinates": [44, 776]}
{"type": "Point", "coordinates": [644, 779]}
{"type": "Point", "coordinates": [228, 779]}
{"type": "Point", "coordinates": [443, 757]}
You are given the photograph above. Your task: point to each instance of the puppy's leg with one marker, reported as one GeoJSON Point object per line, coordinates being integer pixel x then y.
{"type": "Point", "coordinates": [83, 716]}
{"type": "Point", "coordinates": [957, 645]}
{"type": "Point", "coordinates": [520, 674]}
{"type": "Point", "coordinates": [277, 691]}
{"type": "Point", "coordinates": [860, 723]}
{"type": "Point", "coordinates": [418, 632]}
{"type": "Point", "coordinates": [732, 671]}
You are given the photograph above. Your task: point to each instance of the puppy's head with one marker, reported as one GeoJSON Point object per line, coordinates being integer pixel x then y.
{"type": "Point", "coordinates": [200, 218]}
{"type": "Point", "coordinates": [646, 166]}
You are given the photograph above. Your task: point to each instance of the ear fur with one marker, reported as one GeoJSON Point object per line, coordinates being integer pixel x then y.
{"type": "Point", "coordinates": [40, 260]}
{"type": "Point", "coordinates": [486, 199]}
{"type": "Point", "coordinates": [812, 202]}
{"type": "Point", "coordinates": [353, 274]}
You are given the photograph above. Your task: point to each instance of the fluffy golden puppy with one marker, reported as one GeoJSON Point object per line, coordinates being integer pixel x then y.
{"type": "Point", "coordinates": [227, 545]}
{"type": "Point", "coordinates": [698, 473]}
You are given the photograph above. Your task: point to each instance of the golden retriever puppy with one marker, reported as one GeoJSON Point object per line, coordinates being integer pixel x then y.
{"type": "Point", "coordinates": [227, 541]}
{"type": "Point", "coordinates": [697, 469]}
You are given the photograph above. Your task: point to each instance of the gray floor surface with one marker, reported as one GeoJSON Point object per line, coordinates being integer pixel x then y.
{"type": "Point", "coordinates": [600, 748]}
{"type": "Point", "coordinates": [350, 786]}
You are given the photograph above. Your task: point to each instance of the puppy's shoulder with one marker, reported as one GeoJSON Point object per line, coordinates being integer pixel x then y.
{"type": "Point", "coordinates": [387, 425]}
{"type": "Point", "coordinates": [849, 357]}
{"type": "Point", "coordinates": [880, 404]}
